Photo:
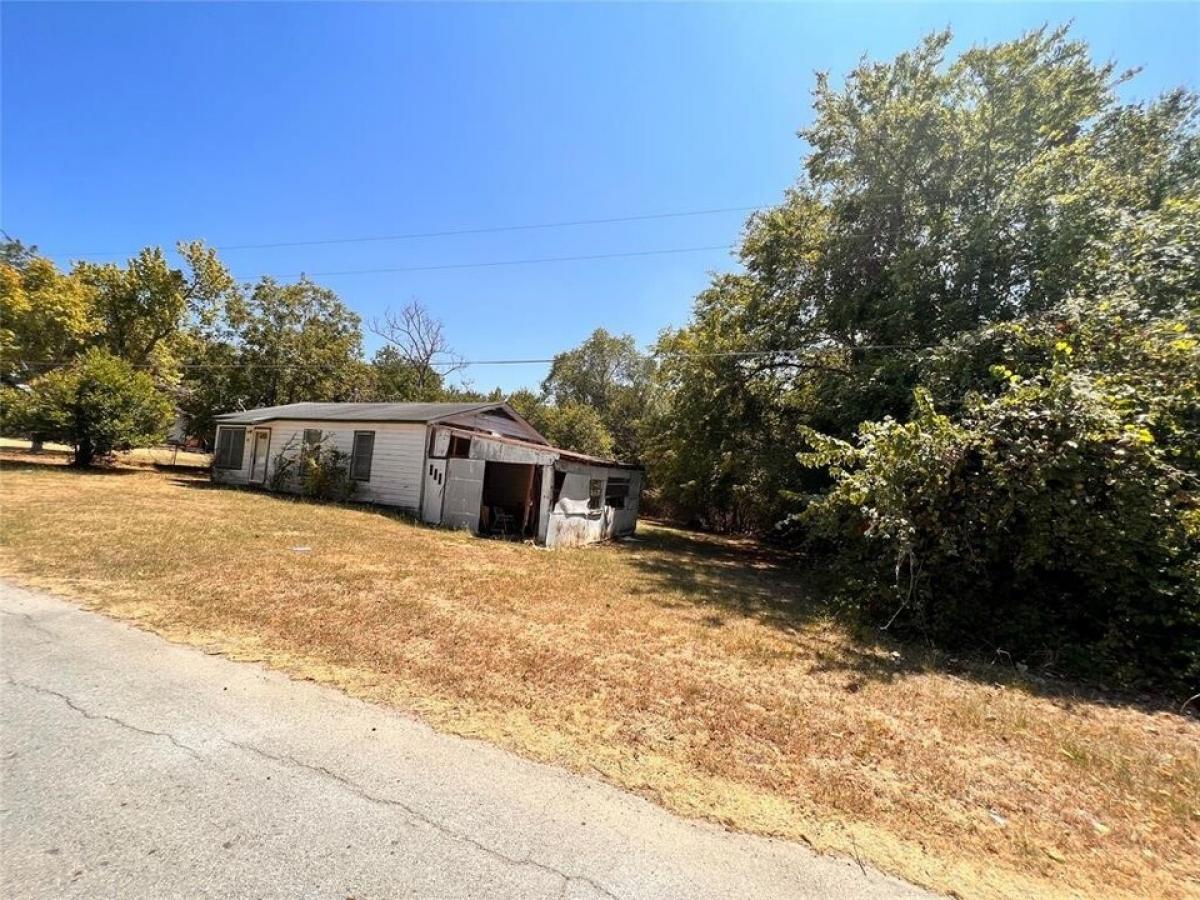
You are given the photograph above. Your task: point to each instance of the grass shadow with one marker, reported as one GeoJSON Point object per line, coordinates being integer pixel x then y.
{"type": "Point", "coordinates": [57, 462]}
{"type": "Point", "coordinates": [738, 577]}
{"type": "Point", "coordinates": [179, 469]}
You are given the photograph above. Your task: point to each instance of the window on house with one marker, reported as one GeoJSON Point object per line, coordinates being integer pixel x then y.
{"type": "Point", "coordinates": [560, 478]}
{"type": "Point", "coordinates": [361, 454]}
{"type": "Point", "coordinates": [595, 493]}
{"type": "Point", "coordinates": [231, 443]}
{"type": "Point", "coordinates": [616, 493]}
{"type": "Point", "coordinates": [460, 447]}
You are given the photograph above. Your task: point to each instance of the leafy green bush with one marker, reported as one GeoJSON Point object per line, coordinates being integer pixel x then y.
{"type": "Point", "coordinates": [326, 473]}
{"type": "Point", "coordinates": [320, 471]}
{"type": "Point", "coordinates": [1048, 522]}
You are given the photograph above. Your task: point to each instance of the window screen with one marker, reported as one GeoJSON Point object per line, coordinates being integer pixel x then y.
{"type": "Point", "coordinates": [360, 456]}
{"type": "Point", "coordinates": [231, 442]}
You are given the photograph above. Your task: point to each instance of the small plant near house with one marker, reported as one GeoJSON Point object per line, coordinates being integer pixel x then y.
{"type": "Point", "coordinates": [326, 474]}
{"type": "Point", "coordinates": [320, 471]}
{"type": "Point", "coordinates": [285, 468]}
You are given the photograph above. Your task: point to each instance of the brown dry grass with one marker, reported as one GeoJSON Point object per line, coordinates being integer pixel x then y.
{"type": "Point", "coordinates": [689, 668]}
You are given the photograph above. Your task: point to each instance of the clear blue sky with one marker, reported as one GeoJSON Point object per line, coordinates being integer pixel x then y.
{"type": "Point", "coordinates": [126, 125]}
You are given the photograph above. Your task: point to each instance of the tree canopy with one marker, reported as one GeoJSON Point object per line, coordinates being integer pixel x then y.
{"type": "Point", "coordinates": [940, 197]}
{"type": "Point", "coordinates": [975, 316]}
{"type": "Point", "coordinates": [98, 403]}
{"type": "Point", "coordinates": [610, 376]}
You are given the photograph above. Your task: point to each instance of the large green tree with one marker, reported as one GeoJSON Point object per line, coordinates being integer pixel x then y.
{"type": "Point", "coordinates": [144, 306]}
{"type": "Point", "coordinates": [97, 404]}
{"type": "Point", "coordinates": [608, 373]}
{"type": "Point", "coordinates": [570, 425]}
{"type": "Point", "coordinates": [940, 197]}
{"type": "Point", "coordinates": [46, 316]}
{"type": "Point", "coordinates": [280, 343]}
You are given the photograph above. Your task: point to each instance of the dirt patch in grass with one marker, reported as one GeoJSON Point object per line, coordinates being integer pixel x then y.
{"type": "Point", "coordinates": [692, 669]}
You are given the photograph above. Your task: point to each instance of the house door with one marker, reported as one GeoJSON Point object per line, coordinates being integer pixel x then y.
{"type": "Point", "coordinates": [464, 491]}
{"type": "Point", "coordinates": [258, 459]}
{"type": "Point", "coordinates": [435, 487]}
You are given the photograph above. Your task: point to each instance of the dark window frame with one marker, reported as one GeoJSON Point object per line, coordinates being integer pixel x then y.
{"type": "Point", "coordinates": [616, 492]}
{"type": "Point", "coordinates": [354, 464]}
{"type": "Point", "coordinates": [595, 493]}
{"type": "Point", "coordinates": [223, 457]}
{"type": "Point", "coordinates": [459, 447]}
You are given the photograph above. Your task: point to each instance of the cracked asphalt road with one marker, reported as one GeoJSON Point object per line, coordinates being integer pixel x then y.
{"type": "Point", "coordinates": [133, 767]}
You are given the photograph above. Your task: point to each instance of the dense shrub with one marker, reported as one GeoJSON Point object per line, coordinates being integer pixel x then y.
{"type": "Point", "coordinates": [327, 474]}
{"type": "Point", "coordinates": [320, 471]}
{"type": "Point", "coordinates": [1049, 522]}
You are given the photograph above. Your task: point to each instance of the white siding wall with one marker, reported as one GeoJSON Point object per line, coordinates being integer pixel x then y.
{"type": "Point", "coordinates": [396, 466]}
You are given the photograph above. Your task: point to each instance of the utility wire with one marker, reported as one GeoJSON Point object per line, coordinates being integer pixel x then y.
{"type": "Point", "coordinates": [500, 262]}
{"type": "Point", "coordinates": [450, 232]}
{"type": "Point", "coordinates": [802, 351]}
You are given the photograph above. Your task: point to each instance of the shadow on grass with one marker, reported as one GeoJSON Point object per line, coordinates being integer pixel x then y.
{"type": "Point", "coordinates": [57, 461]}
{"type": "Point", "coordinates": [180, 469]}
{"type": "Point", "coordinates": [740, 578]}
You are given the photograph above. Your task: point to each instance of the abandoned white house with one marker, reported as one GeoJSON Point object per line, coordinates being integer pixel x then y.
{"type": "Point", "coordinates": [479, 466]}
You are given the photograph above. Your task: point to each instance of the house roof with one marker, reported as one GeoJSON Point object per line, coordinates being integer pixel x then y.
{"type": "Point", "coordinates": [353, 412]}
{"type": "Point", "coordinates": [560, 451]}
{"type": "Point", "coordinates": [457, 414]}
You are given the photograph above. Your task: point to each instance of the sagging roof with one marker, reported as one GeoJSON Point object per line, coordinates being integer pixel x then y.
{"type": "Point", "coordinates": [572, 455]}
{"type": "Point", "coordinates": [354, 412]}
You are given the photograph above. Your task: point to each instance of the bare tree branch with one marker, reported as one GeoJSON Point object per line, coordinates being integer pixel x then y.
{"type": "Point", "coordinates": [419, 337]}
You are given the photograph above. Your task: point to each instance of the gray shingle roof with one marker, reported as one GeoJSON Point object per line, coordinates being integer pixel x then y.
{"type": "Point", "coordinates": [353, 412]}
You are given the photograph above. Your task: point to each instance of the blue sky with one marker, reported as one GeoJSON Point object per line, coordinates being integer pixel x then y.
{"type": "Point", "coordinates": [125, 125]}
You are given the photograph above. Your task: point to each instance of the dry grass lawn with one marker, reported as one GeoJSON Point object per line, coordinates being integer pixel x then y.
{"type": "Point", "coordinates": [689, 668]}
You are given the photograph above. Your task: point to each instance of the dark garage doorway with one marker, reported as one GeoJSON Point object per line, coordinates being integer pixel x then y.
{"type": "Point", "coordinates": [511, 497]}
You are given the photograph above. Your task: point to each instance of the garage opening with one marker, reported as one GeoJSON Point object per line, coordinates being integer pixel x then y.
{"type": "Point", "coordinates": [511, 492]}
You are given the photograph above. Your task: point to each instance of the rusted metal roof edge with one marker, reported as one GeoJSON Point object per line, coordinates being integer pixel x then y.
{"type": "Point", "coordinates": [544, 448]}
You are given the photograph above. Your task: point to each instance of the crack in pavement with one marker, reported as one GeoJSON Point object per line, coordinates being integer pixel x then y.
{"type": "Point", "coordinates": [359, 791]}
{"type": "Point", "coordinates": [344, 782]}
{"type": "Point", "coordinates": [88, 714]}
{"type": "Point", "coordinates": [347, 784]}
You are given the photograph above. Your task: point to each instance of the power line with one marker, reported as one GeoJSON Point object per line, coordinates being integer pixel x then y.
{"type": "Point", "coordinates": [727, 354]}
{"type": "Point", "coordinates": [451, 232]}
{"type": "Point", "coordinates": [501, 262]}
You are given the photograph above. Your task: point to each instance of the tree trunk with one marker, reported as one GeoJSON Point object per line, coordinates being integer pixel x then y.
{"type": "Point", "coordinates": [85, 453]}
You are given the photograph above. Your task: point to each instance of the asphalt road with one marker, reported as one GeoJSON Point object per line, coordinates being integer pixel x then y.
{"type": "Point", "coordinates": [133, 767]}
